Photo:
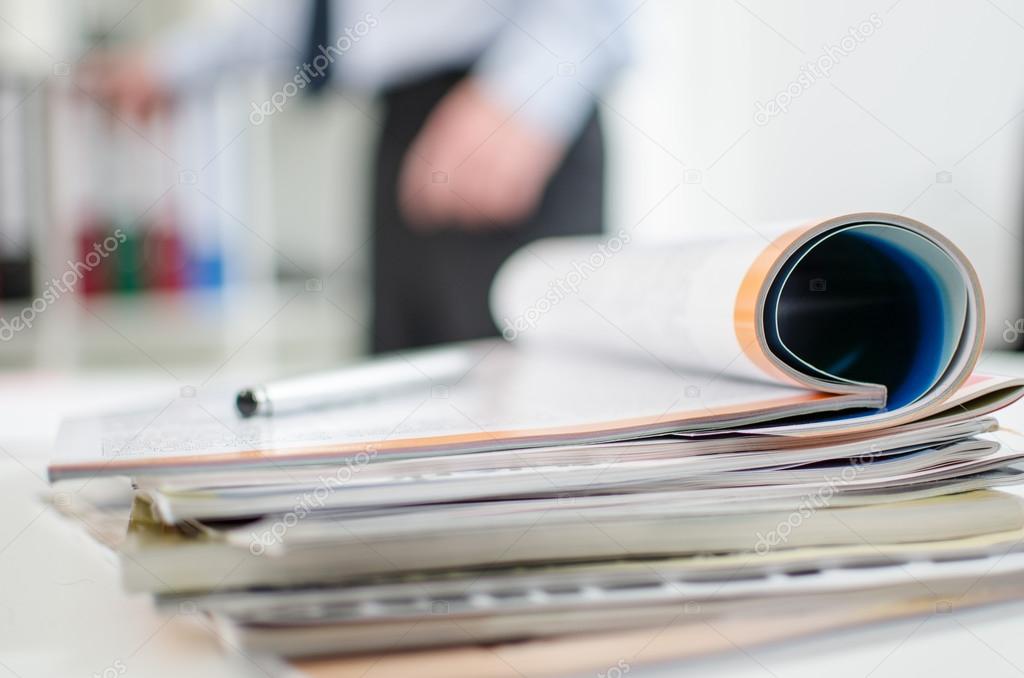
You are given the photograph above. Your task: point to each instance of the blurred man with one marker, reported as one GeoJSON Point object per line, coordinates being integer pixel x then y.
{"type": "Point", "coordinates": [490, 138]}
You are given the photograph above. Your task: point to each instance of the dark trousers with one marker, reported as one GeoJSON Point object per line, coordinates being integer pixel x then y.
{"type": "Point", "coordinates": [433, 287]}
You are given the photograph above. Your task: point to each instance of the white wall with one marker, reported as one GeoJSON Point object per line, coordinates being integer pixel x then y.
{"type": "Point", "coordinates": [937, 87]}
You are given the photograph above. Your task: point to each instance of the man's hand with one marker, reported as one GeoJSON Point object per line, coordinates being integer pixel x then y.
{"type": "Point", "coordinates": [125, 82]}
{"type": "Point", "coordinates": [474, 163]}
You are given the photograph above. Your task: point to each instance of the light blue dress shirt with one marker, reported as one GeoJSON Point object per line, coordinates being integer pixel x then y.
{"type": "Point", "coordinates": [543, 59]}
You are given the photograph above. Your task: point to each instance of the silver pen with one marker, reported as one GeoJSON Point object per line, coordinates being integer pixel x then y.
{"type": "Point", "coordinates": [389, 375]}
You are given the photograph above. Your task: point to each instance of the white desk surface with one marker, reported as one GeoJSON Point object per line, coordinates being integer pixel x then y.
{"type": "Point", "coordinates": [62, 612]}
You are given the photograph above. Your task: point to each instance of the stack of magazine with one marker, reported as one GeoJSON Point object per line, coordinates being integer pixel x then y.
{"type": "Point", "coordinates": [697, 431]}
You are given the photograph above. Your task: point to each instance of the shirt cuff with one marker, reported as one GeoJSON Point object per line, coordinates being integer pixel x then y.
{"type": "Point", "coordinates": [552, 93]}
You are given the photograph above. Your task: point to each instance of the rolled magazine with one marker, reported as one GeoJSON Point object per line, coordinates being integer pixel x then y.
{"type": "Point", "coordinates": [872, 304]}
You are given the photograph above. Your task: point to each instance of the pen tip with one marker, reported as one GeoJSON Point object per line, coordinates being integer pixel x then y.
{"type": "Point", "coordinates": [246, 402]}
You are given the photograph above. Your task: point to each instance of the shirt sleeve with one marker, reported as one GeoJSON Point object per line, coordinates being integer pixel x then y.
{"type": "Point", "coordinates": [260, 33]}
{"type": "Point", "coordinates": [552, 57]}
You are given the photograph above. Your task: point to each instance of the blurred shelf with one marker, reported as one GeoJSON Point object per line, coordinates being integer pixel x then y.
{"type": "Point", "coordinates": [278, 324]}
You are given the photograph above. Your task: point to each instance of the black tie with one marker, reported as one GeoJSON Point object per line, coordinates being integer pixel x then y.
{"type": "Point", "coordinates": [318, 36]}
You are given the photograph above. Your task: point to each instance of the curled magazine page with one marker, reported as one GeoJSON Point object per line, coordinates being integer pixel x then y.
{"type": "Point", "coordinates": [866, 303]}
{"type": "Point", "coordinates": [666, 302]}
